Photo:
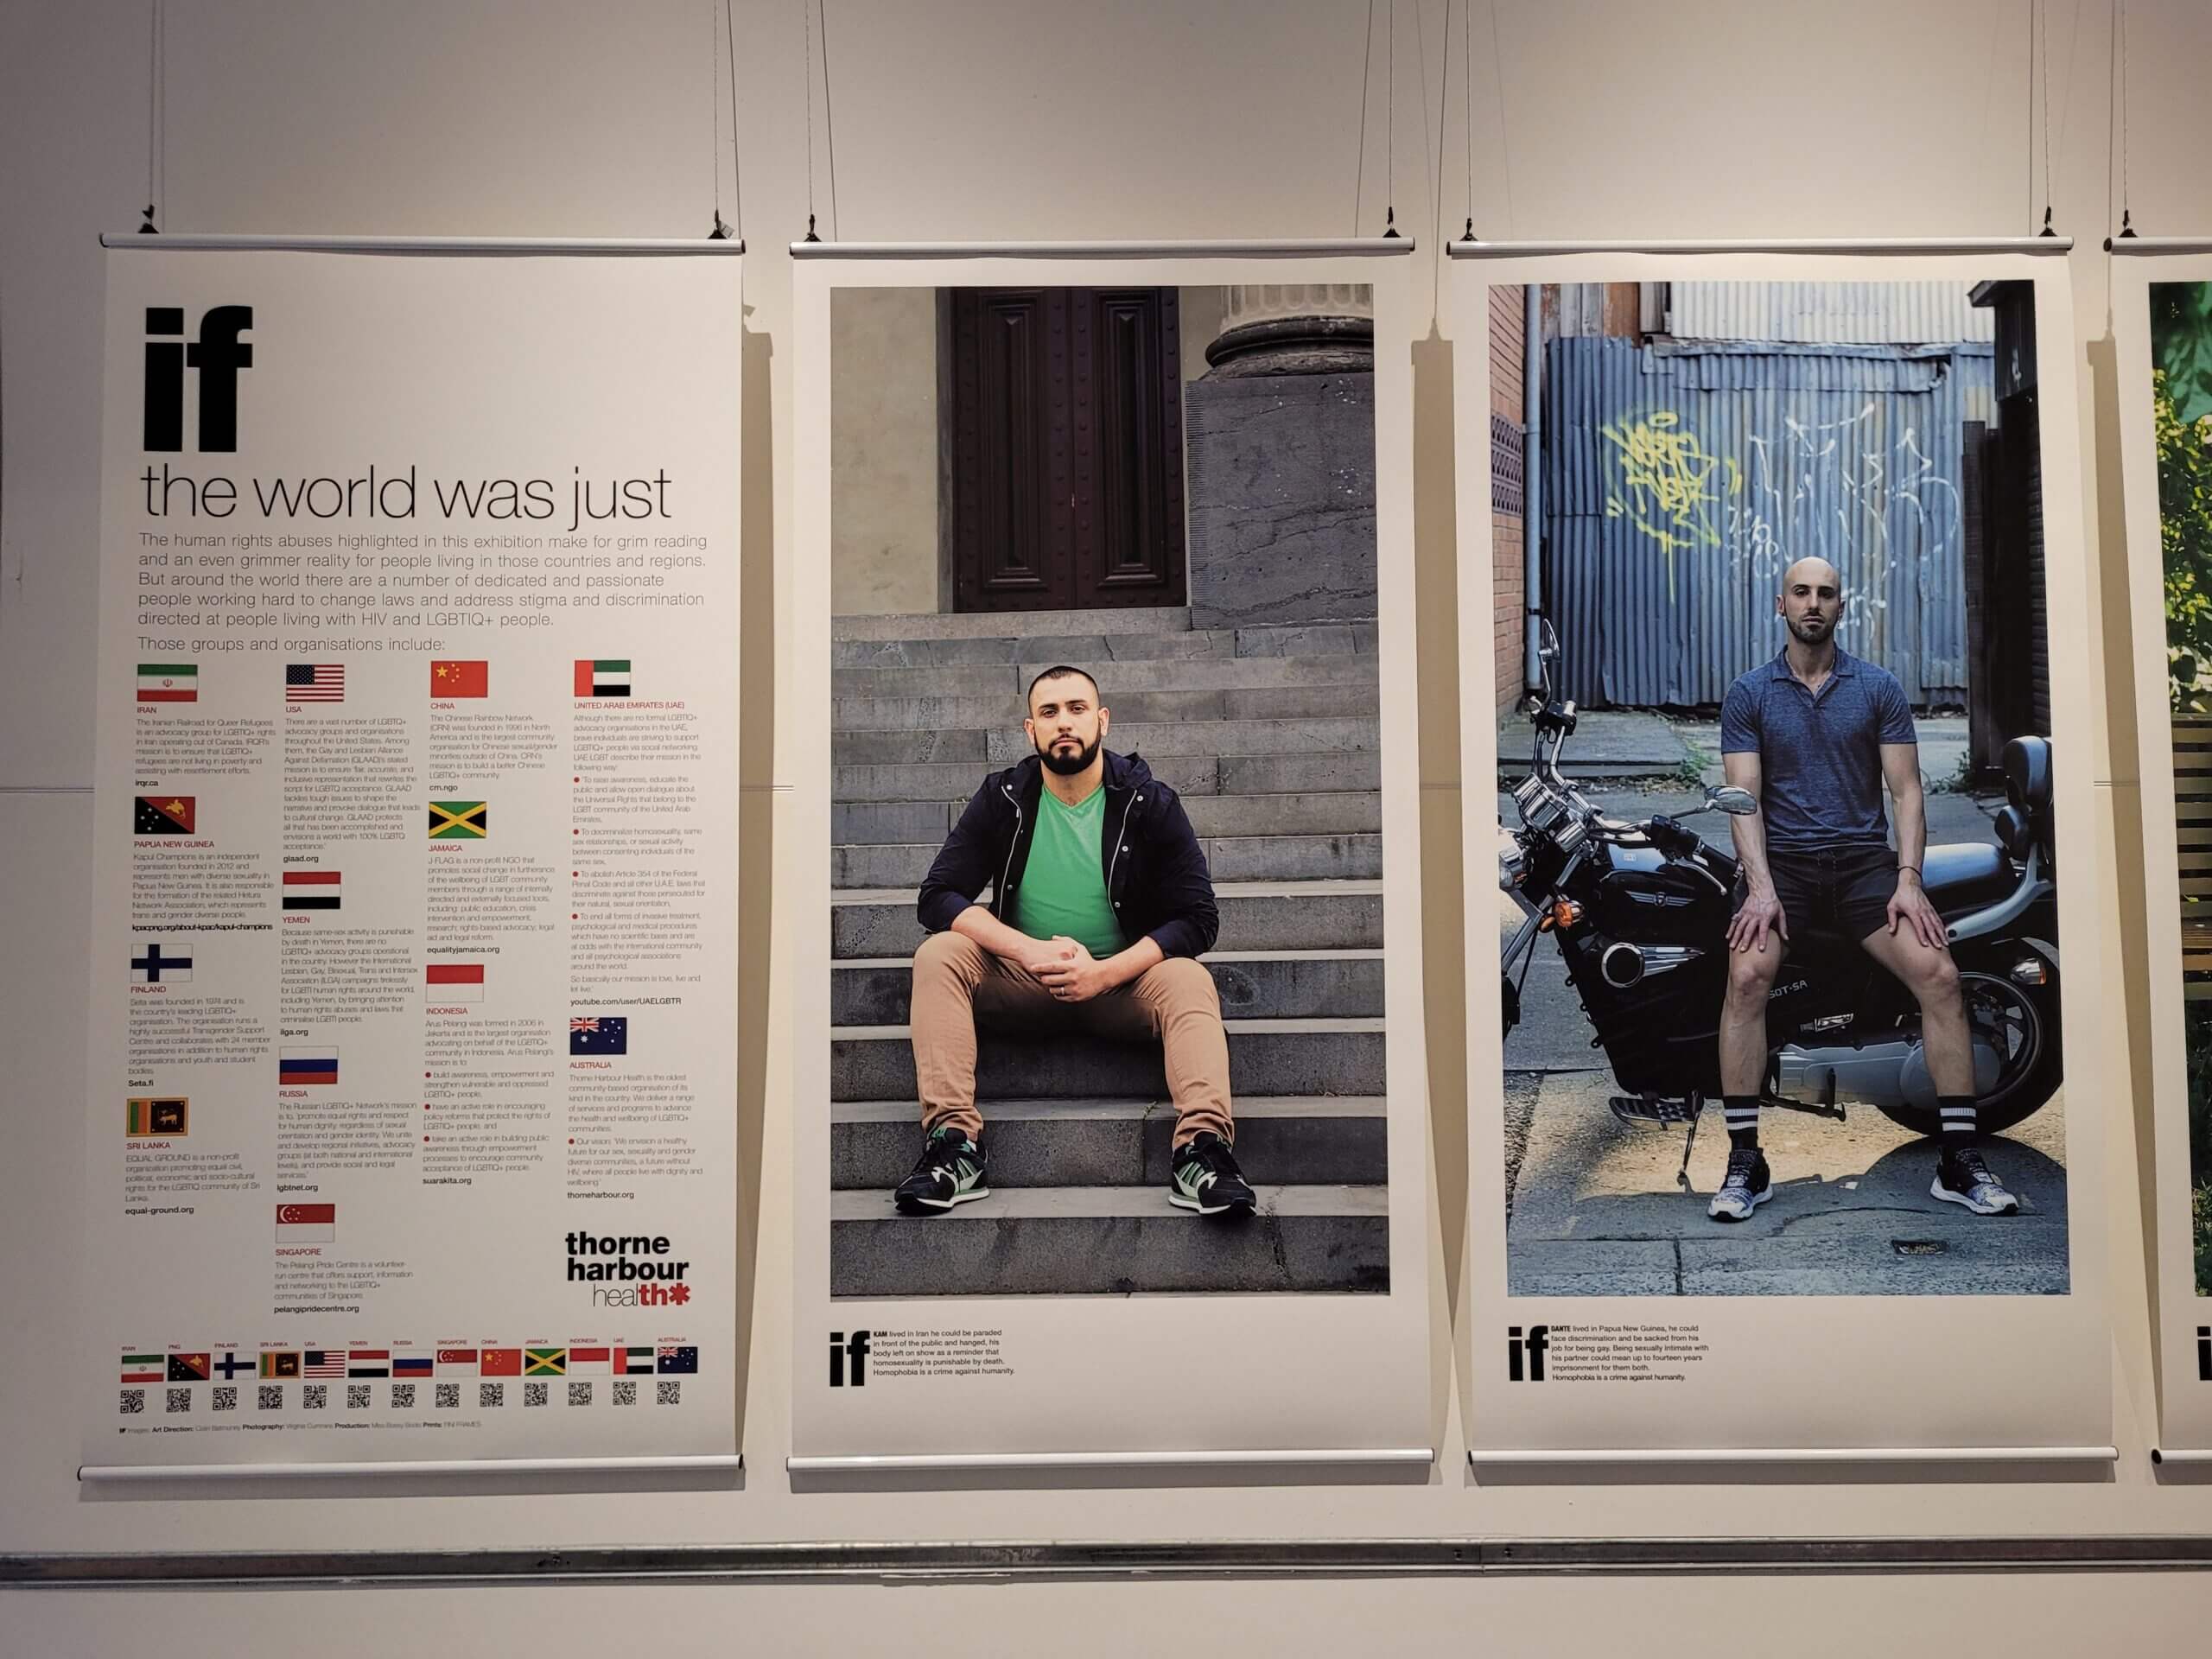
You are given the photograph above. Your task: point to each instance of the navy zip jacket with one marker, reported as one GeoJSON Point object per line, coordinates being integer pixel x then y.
{"type": "Point", "coordinates": [1156, 876]}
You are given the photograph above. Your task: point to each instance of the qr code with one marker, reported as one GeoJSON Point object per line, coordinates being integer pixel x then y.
{"type": "Point", "coordinates": [580, 1394]}
{"type": "Point", "coordinates": [180, 1400]}
{"type": "Point", "coordinates": [448, 1395]}
{"type": "Point", "coordinates": [535, 1393]}
{"type": "Point", "coordinates": [489, 1396]}
{"type": "Point", "coordinates": [669, 1393]}
{"type": "Point", "coordinates": [357, 1396]}
{"type": "Point", "coordinates": [315, 1395]}
{"type": "Point", "coordinates": [226, 1398]}
{"type": "Point", "coordinates": [134, 1402]}
{"type": "Point", "coordinates": [625, 1393]}
{"type": "Point", "coordinates": [402, 1396]}
{"type": "Point", "coordinates": [270, 1396]}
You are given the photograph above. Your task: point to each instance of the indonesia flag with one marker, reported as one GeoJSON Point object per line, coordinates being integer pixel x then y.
{"type": "Point", "coordinates": [307, 1224]}
{"type": "Point", "coordinates": [455, 981]}
{"type": "Point", "coordinates": [306, 890]}
{"type": "Point", "coordinates": [587, 1362]}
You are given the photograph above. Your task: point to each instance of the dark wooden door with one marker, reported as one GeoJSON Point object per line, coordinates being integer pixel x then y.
{"type": "Point", "coordinates": [1063, 421]}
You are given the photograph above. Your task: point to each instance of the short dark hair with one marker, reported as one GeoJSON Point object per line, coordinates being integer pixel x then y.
{"type": "Point", "coordinates": [1058, 671]}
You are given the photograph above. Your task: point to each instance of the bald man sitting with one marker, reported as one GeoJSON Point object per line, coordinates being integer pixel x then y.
{"type": "Point", "coordinates": [1814, 734]}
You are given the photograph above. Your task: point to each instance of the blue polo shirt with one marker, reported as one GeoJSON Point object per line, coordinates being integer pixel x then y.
{"type": "Point", "coordinates": [1820, 756]}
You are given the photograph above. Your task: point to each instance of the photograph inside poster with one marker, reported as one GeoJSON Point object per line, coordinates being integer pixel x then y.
{"type": "Point", "coordinates": [1777, 864]}
{"type": "Point", "coordinates": [1106, 975]}
{"type": "Point", "coordinates": [2181, 394]}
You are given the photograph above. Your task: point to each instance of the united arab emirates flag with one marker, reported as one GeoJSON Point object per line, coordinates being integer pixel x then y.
{"type": "Point", "coordinates": [168, 682]}
{"type": "Point", "coordinates": [459, 820]}
{"type": "Point", "coordinates": [605, 677]}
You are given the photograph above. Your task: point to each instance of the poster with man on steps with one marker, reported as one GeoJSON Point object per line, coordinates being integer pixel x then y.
{"type": "Point", "coordinates": [1109, 1033]}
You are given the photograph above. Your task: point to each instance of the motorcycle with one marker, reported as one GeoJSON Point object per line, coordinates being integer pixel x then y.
{"type": "Point", "coordinates": [1639, 911]}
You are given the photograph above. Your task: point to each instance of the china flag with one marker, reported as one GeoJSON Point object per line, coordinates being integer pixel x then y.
{"type": "Point", "coordinates": [449, 679]}
{"type": "Point", "coordinates": [500, 1362]}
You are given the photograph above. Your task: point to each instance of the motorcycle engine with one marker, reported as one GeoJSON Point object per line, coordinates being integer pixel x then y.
{"type": "Point", "coordinates": [1877, 1074]}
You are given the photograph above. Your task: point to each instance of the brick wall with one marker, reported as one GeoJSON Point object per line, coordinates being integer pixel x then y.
{"type": "Point", "coordinates": [1506, 334]}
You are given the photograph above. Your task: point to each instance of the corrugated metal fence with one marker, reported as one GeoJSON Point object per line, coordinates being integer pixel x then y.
{"type": "Point", "coordinates": [1682, 480]}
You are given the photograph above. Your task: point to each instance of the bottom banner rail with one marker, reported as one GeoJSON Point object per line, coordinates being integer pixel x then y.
{"type": "Point", "coordinates": [1392, 1456]}
{"type": "Point", "coordinates": [2180, 1454]}
{"type": "Point", "coordinates": [1403, 1557]}
{"type": "Point", "coordinates": [1593, 1457]}
{"type": "Point", "coordinates": [119, 1474]}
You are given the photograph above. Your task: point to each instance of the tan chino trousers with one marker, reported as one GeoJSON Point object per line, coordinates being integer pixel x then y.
{"type": "Point", "coordinates": [959, 985]}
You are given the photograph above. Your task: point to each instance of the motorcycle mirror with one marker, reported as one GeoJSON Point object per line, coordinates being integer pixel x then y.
{"type": "Point", "coordinates": [1736, 803]}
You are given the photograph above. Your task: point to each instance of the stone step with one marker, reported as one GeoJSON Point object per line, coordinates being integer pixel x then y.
{"type": "Point", "coordinates": [1231, 858]}
{"type": "Point", "coordinates": [1253, 984]}
{"type": "Point", "coordinates": [1097, 648]}
{"type": "Point", "coordinates": [975, 624]}
{"type": "Point", "coordinates": [1255, 916]}
{"type": "Point", "coordinates": [1357, 812]}
{"type": "Point", "coordinates": [1191, 773]}
{"type": "Point", "coordinates": [1266, 1056]}
{"type": "Point", "coordinates": [1001, 711]}
{"type": "Point", "coordinates": [1302, 1140]}
{"type": "Point", "coordinates": [1109, 1241]}
{"type": "Point", "coordinates": [1008, 681]}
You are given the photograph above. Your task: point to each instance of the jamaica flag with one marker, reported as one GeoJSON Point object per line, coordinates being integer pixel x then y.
{"type": "Point", "coordinates": [459, 820]}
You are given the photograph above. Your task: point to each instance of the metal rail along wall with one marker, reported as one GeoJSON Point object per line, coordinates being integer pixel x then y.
{"type": "Point", "coordinates": [1683, 478]}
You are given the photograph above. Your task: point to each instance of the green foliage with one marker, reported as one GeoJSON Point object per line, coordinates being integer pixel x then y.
{"type": "Point", "coordinates": [2197, 1059]}
{"type": "Point", "coordinates": [2181, 345]}
{"type": "Point", "coordinates": [2200, 1227]}
{"type": "Point", "coordinates": [2185, 451]}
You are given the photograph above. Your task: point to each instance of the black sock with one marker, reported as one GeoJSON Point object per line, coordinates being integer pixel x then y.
{"type": "Point", "coordinates": [1742, 1114]}
{"type": "Point", "coordinates": [1960, 1126]}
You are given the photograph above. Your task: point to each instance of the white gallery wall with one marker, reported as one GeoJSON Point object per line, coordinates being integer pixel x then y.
{"type": "Point", "coordinates": [1011, 120]}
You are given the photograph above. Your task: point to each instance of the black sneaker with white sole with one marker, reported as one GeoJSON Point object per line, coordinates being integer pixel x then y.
{"type": "Point", "coordinates": [1746, 1186]}
{"type": "Point", "coordinates": [1962, 1178]}
{"type": "Point", "coordinates": [950, 1171]}
{"type": "Point", "coordinates": [1206, 1179]}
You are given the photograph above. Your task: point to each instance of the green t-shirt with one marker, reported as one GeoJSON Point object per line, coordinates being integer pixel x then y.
{"type": "Point", "coordinates": [1063, 886]}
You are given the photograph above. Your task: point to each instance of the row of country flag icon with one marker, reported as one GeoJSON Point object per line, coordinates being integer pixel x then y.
{"type": "Point", "coordinates": [592, 677]}
{"type": "Point", "coordinates": [179, 815]}
{"type": "Point", "coordinates": [287, 1364]}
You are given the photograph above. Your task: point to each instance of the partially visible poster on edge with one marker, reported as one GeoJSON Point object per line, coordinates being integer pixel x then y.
{"type": "Point", "coordinates": [410, 1127]}
{"type": "Point", "coordinates": [2162, 330]}
{"type": "Point", "coordinates": [1794, 883]}
{"type": "Point", "coordinates": [1111, 1134]}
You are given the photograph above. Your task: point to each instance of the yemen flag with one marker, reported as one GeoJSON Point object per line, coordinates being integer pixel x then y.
{"type": "Point", "coordinates": [455, 981]}
{"type": "Point", "coordinates": [607, 676]}
{"type": "Point", "coordinates": [305, 890]}
{"type": "Point", "coordinates": [500, 1362]}
{"type": "Point", "coordinates": [143, 1368]}
{"type": "Point", "coordinates": [317, 1065]}
{"type": "Point", "coordinates": [168, 683]}
{"type": "Point", "coordinates": [165, 814]}
{"type": "Point", "coordinates": [171, 1116]}
{"type": "Point", "coordinates": [545, 1362]}
{"type": "Point", "coordinates": [368, 1361]}
{"type": "Point", "coordinates": [459, 820]}
{"type": "Point", "coordinates": [280, 1365]}
{"type": "Point", "coordinates": [461, 679]}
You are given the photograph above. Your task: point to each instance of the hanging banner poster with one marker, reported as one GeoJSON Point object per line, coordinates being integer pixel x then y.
{"type": "Point", "coordinates": [410, 1128]}
{"type": "Point", "coordinates": [1110, 1127]}
{"type": "Point", "coordinates": [2161, 331]}
{"type": "Point", "coordinates": [1797, 900]}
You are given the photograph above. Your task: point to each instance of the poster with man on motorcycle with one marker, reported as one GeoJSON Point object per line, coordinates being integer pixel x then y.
{"type": "Point", "coordinates": [1783, 745]}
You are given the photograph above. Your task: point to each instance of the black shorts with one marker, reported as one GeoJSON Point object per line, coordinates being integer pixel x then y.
{"type": "Point", "coordinates": [1834, 890]}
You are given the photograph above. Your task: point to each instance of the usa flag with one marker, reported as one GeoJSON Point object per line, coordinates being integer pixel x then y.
{"type": "Point", "coordinates": [315, 682]}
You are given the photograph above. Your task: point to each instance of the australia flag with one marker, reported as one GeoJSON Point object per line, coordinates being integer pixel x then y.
{"type": "Point", "coordinates": [600, 1035]}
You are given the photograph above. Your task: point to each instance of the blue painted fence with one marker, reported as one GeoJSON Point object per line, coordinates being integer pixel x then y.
{"type": "Point", "coordinates": [1680, 481]}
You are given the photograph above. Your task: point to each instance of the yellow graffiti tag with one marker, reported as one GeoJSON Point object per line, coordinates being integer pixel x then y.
{"type": "Point", "coordinates": [1662, 479]}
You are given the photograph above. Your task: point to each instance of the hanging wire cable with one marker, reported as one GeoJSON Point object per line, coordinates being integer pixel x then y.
{"type": "Point", "coordinates": [829, 116]}
{"type": "Point", "coordinates": [807, 8]}
{"type": "Point", "coordinates": [2043, 7]}
{"type": "Point", "coordinates": [1467, 93]}
{"type": "Point", "coordinates": [157, 116]}
{"type": "Point", "coordinates": [1366, 79]}
{"type": "Point", "coordinates": [1431, 145]}
{"type": "Point", "coordinates": [1504, 127]}
{"type": "Point", "coordinates": [714, 109]}
{"type": "Point", "coordinates": [2029, 134]}
{"type": "Point", "coordinates": [1390, 127]}
{"type": "Point", "coordinates": [736, 153]}
{"type": "Point", "coordinates": [2126, 227]}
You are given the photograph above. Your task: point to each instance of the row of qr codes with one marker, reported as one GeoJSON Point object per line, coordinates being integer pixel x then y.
{"type": "Point", "coordinates": [406, 1396]}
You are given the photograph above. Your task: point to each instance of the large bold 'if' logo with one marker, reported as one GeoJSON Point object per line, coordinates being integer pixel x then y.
{"type": "Point", "coordinates": [848, 1356]}
{"type": "Point", "coordinates": [1524, 1356]}
{"type": "Point", "coordinates": [218, 355]}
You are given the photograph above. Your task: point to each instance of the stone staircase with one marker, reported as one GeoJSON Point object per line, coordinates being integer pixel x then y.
{"type": "Point", "coordinates": [1270, 734]}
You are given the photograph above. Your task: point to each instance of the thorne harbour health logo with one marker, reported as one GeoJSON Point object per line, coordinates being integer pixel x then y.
{"type": "Point", "coordinates": [628, 1270]}
{"type": "Point", "coordinates": [215, 359]}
